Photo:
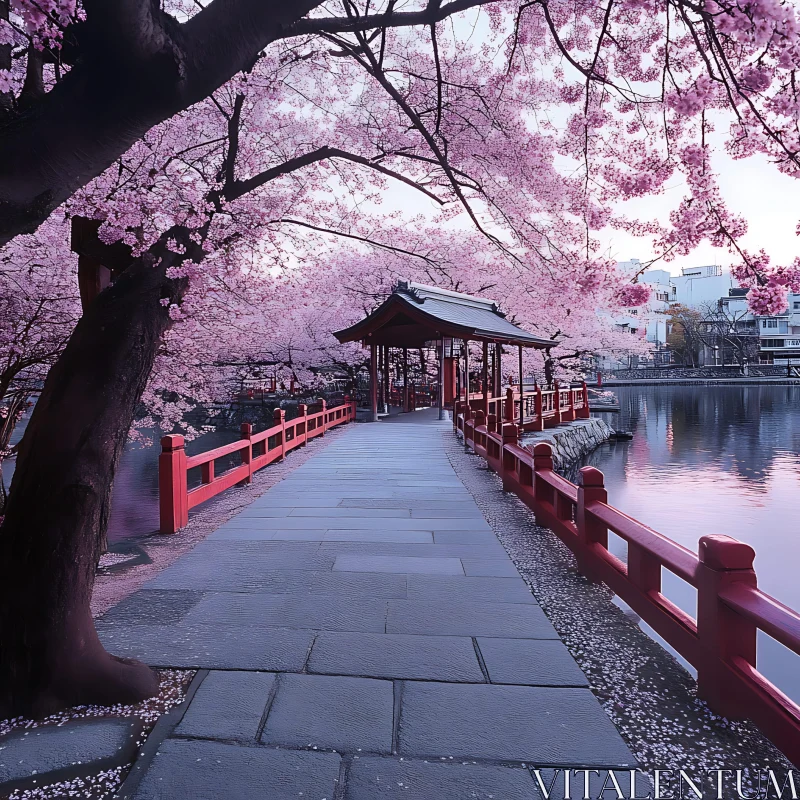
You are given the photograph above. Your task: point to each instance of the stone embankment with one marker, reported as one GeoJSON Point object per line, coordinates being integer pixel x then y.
{"type": "Point", "coordinates": [760, 373]}
{"type": "Point", "coordinates": [572, 441]}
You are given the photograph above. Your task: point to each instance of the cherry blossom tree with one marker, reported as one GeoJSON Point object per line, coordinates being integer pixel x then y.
{"type": "Point", "coordinates": [38, 310]}
{"type": "Point", "coordinates": [224, 146]}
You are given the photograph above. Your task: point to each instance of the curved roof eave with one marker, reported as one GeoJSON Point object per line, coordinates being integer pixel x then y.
{"type": "Point", "coordinates": [398, 302]}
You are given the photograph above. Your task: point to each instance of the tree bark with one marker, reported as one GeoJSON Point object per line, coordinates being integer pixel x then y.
{"type": "Point", "coordinates": [58, 506]}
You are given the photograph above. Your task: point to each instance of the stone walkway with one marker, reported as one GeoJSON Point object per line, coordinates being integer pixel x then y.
{"type": "Point", "coordinates": [366, 636]}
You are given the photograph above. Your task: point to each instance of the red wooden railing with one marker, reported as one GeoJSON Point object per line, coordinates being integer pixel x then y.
{"type": "Point", "coordinates": [256, 451]}
{"type": "Point", "coordinates": [720, 640]}
{"type": "Point", "coordinates": [418, 397]}
{"type": "Point", "coordinates": [542, 408]}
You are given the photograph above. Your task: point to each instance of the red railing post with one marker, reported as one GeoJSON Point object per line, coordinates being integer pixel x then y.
{"type": "Point", "coordinates": [599, 379]}
{"type": "Point", "coordinates": [302, 411]}
{"type": "Point", "coordinates": [173, 498]}
{"type": "Point", "coordinates": [585, 412]}
{"type": "Point", "coordinates": [591, 489]}
{"type": "Point", "coordinates": [644, 569]}
{"type": "Point", "coordinates": [542, 460]}
{"type": "Point", "coordinates": [247, 454]}
{"type": "Point", "coordinates": [323, 406]}
{"type": "Point", "coordinates": [723, 633]}
{"type": "Point", "coordinates": [538, 409]}
{"type": "Point", "coordinates": [510, 434]}
{"type": "Point", "coordinates": [279, 418]}
{"type": "Point", "coordinates": [557, 403]}
{"type": "Point", "coordinates": [569, 414]}
{"type": "Point", "coordinates": [508, 408]}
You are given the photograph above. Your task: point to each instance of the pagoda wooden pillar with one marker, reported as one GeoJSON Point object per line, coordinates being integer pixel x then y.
{"type": "Point", "coordinates": [441, 378]}
{"type": "Point", "coordinates": [468, 412]}
{"type": "Point", "coordinates": [386, 382]}
{"type": "Point", "coordinates": [521, 395]}
{"type": "Point", "coordinates": [486, 379]}
{"type": "Point", "coordinates": [406, 395]}
{"type": "Point", "coordinates": [373, 382]}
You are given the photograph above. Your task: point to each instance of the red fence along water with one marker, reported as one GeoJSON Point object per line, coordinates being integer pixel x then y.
{"type": "Point", "coordinates": [256, 451]}
{"type": "Point", "coordinates": [719, 640]}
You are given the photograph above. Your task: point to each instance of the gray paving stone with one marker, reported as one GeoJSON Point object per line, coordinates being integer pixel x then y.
{"type": "Point", "coordinates": [440, 506]}
{"type": "Point", "coordinates": [508, 723]}
{"type": "Point", "coordinates": [401, 564]}
{"type": "Point", "coordinates": [382, 655]}
{"type": "Point", "coordinates": [384, 778]}
{"type": "Point", "coordinates": [264, 512]}
{"type": "Point", "coordinates": [210, 646]}
{"type": "Point", "coordinates": [451, 588]}
{"type": "Point", "coordinates": [493, 567]}
{"type": "Point", "coordinates": [468, 618]}
{"type": "Point", "coordinates": [285, 611]}
{"type": "Point", "coordinates": [228, 705]}
{"type": "Point", "coordinates": [352, 523]}
{"type": "Point", "coordinates": [343, 714]}
{"type": "Point", "coordinates": [250, 557]}
{"type": "Point", "coordinates": [154, 607]}
{"type": "Point", "coordinates": [257, 532]}
{"type": "Point", "coordinates": [196, 770]}
{"type": "Point", "coordinates": [350, 513]}
{"type": "Point", "coordinates": [295, 582]}
{"type": "Point", "coordinates": [407, 537]}
{"type": "Point", "coordinates": [477, 552]}
{"type": "Point", "coordinates": [53, 753]}
{"type": "Point", "coordinates": [535, 662]}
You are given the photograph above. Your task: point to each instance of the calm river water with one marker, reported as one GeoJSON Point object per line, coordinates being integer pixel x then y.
{"type": "Point", "coordinates": [715, 459]}
{"type": "Point", "coordinates": [134, 502]}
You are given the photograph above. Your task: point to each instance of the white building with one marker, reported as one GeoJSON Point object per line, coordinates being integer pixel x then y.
{"type": "Point", "coordinates": [696, 287]}
{"type": "Point", "coordinates": [780, 335]}
{"type": "Point", "coordinates": [647, 322]}
{"type": "Point", "coordinates": [699, 288]}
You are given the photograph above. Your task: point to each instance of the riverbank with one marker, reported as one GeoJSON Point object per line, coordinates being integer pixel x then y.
{"type": "Point", "coordinates": [571, 441]}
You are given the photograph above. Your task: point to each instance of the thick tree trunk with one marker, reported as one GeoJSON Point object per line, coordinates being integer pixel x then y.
{"type": "Point", "coordinates": [58, 507]}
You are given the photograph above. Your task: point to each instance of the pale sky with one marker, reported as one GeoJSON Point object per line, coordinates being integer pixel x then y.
{"type": "Point", "coordinates": [753, 188]}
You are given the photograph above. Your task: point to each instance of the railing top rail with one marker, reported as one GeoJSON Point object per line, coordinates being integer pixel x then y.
{"type": "Point", "coordinates": [677, 558]}
{"type": "Point", "coordinates": [217, 452]}
{"type": "Point", "coordinates": [520, 453]}
{"type": "Point", "coordinates": [265, 434]}
{"type": "Point", "coordinates": [770, 615]}
{"type": "Point", "coordinates": [561, 485]}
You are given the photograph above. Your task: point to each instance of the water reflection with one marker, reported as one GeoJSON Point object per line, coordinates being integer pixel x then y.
{"type": "Point", "coordinates": [134, 500]}
{"type": "Point", "coordinates": [719, 459]}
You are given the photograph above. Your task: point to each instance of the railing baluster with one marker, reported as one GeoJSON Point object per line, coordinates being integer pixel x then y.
{"type": "Point", "coordinates": [172, 486]}
{"type": "Point", "coordinates": [723, 633]}
{"type": "Point", "coordinates": [591, 489]}
{"type": "Point", "coordinates": [247, 453]}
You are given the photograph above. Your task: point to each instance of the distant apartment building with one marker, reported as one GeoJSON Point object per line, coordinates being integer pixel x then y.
{"type": "Point", "coordinates": [770, 340]}
{"type": "Point", "coordinates": [779, 336]}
